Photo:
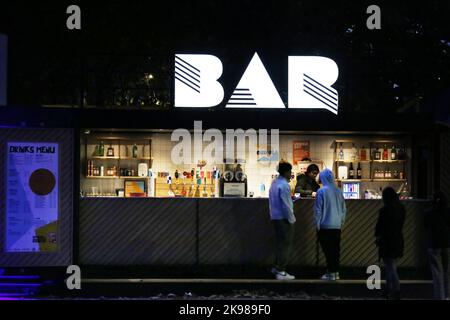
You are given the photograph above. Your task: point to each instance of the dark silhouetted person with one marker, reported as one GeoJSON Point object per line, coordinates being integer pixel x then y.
{"type": "Point", "coordinates": [389, 239]}
{"type": "Point", "coordinates": [437, 225]}
{"type": "Point", "coordinates": [330, 212]}
{"type": "Point", "coordinates": [307, 185]}
{"type": "Point", "coordinates": [283, 219]}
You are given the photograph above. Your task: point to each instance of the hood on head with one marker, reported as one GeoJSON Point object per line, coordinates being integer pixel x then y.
{"type": "Point", "coordinates": [327, 177]}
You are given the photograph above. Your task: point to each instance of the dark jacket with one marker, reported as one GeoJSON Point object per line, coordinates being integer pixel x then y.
{"type": "Point", "coordinates": [306, 185]}
{"type": "Point", "coordinates": [389, 231]}
{"type": "Point", "coordinates": [437, 226]}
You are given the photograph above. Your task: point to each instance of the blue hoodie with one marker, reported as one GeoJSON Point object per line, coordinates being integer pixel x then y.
{"type": "Point", "coordinates": [280, 201]}
{"type": "Point", "coordinates": [329, 207]}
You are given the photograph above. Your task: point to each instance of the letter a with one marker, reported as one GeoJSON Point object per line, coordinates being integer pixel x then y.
{"type": "Point", "coordinates": [374, 21]}
{"type": "Point", "coordinates": [73, 21]}
{"type": "Point", "coordinates": [255, 89]}
{"type": "Point", "coordinates": [74, 281]}
{"type": "Point", "coordinates": [374, 280]}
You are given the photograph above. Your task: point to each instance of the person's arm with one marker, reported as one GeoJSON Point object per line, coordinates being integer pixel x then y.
{"type": "Point", "coordinates": [318, 209]}
{"type": "Point", "coordinates": [302, 187]}
{"type": "Point", "coordinates": [286, 203]}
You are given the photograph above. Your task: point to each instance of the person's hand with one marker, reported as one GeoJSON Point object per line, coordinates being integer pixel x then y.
{"type": "Point", "coordinates": [314, 194]}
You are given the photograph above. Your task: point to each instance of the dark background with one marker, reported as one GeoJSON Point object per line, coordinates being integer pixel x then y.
{"type": "Point", "coordinates": [404, 67]}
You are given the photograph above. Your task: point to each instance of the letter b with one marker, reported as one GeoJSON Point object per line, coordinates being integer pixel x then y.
{"type": "Point", "coordinates": [196, 82]}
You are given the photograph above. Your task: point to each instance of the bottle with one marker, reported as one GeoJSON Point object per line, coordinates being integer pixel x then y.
{"type": "Point", "coordinates": [354, 155]}
{"type": "Point", "coordinates": [351, 172]}
{"type": "Point", "coordinates": [101, 149]}
{"type": "Point", "coordinates": [341, 153]}
{"type": "Point", "coordinates": [385, 153]}
{"type": "Point", "coordinates": [393, 153]}
{"type": "Point", "coordinates": [359, 172]}
{"type": "Point", "coordinates": [363, 154]}
{"type": "Point", "coordinates": [102, 171]}
{"type": "Point", "coordinates": [110, 152]}
{"type": "Point", "coordinates": [135, 149]}
{"type": "Point", "coordinates": [262, 189]}
{"type": "Point", "coordinates": [377, 154]}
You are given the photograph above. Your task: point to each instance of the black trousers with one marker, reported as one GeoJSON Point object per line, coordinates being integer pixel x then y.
{"type": "Point", "coordinates": [284, 233]}
{"type": "Point", "coordinates": [330, 241]}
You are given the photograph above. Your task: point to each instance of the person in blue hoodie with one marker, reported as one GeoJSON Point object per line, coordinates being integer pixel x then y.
{"type": "Point", "coordinates": [282, 215]}
{"type": "Point", "coordinates": [330, 211]}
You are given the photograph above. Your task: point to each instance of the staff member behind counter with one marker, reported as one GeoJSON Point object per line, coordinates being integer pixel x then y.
{"type": "Point", "coordinates": [307, 185]}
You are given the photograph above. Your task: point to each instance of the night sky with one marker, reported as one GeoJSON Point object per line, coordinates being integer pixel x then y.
{"type": "Point", "coordinates": [405, 63]}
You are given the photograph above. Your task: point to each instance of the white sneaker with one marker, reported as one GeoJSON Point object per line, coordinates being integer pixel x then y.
{"type": "Point", "coordinates": [329, 277]}
{"type": "Point", "coordinates": [283, 275]}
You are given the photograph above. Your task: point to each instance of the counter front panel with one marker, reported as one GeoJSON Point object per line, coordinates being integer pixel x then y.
{"type": "Point", "coordinates": [225, 231]}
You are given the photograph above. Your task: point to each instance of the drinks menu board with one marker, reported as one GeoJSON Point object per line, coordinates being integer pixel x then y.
{"type": "Point", "coordinates": [32, 197]}
{"type": "Point", "coordinates": [301, 151]}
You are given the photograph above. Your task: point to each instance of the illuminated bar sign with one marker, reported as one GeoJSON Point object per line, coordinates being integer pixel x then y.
{"type": "Point", "coordinates": [32, 197]}
{"type": "Point", "coordinates": [309, 83]}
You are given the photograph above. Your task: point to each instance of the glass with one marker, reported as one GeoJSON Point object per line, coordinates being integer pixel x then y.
{"type": "Point", "coordinates": [94, 191]}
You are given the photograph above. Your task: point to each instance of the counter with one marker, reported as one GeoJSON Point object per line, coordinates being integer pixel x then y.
{"type": "Point", "coordinates": [226, 231]}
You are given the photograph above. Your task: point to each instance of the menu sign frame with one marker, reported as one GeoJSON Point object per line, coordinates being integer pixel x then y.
{"type": "Point", "coordinates": [32, 197]}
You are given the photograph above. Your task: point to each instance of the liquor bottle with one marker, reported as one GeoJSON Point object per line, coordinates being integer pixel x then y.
{"type": "Point", "coordinates": [354, 154]}
{"type": "Point", "coordinates": [351, 172]}
{"type": "Point", "coordinates": [393, 153]}
{"type": "Point", "coordinates": [341, 153]}
{"type": "Point", "coordinates": [377, 154]}
{"type": "Point", "coordinates": [110, 152]}
{"type": "Point", "coordinates": [135, 150]}
{"type": "Point", "coordinates": [359, 171]}
{"type": "Point", "coordinates": [101, 149]}
{"type": "Point", "coordinates": [363, 154]}
{"type": "Point", "coordinates": [385, 153]}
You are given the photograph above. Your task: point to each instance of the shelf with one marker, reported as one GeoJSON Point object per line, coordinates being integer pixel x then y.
{"type": "Point", "coordinates": [389, 180]}
{"type": "Point", "coordinates": [103, 158]}
{"type": "Point", "coordinates": [387, 142]}
{"type": "Point", "coordinates": [388, 161]}
{"type": "Point", "coordinates": [368, 161]}
{"type": "Point", "coordinates": [131, 158]}
{"type": "Point", "coordinates": [115, 177]}
{"type": "Point", "coordinates": [134, 177]}
{"type": "Point", "coordinates": [102, 177]}
{"type": "Point", "coordinates": [371, 180]}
